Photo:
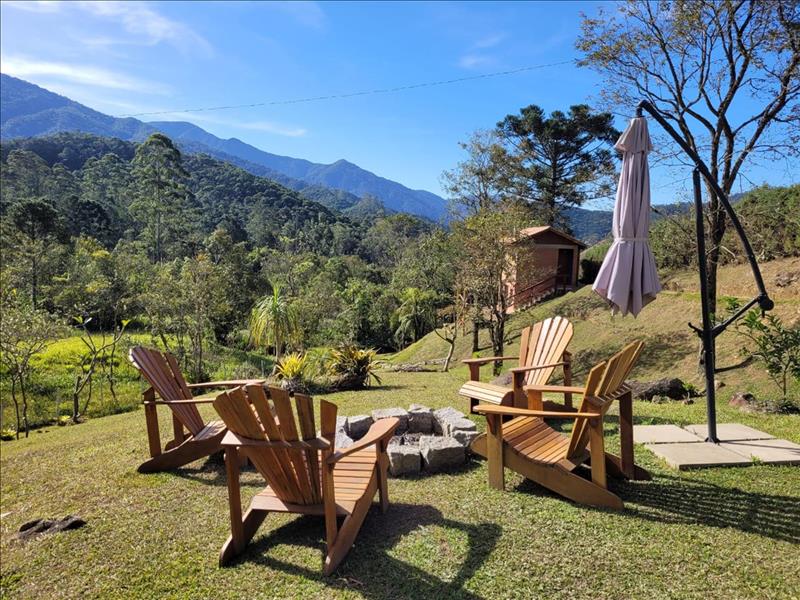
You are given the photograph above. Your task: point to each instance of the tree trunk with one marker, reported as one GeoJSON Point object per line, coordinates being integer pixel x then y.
{"type": "Point", "coordinates": [498, 336]}
{"type": "Point", "coordinates": [24, 405]}
{"type": "Point", "coordinates": [16, 402]}
{"type": "Point", "coordinates": [475, 336]}
{"type": "Point", "coordinates": [449, 357]}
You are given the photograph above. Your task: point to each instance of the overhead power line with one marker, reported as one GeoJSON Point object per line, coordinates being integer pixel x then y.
{"type": "Point", "coordinates": [390, 90]}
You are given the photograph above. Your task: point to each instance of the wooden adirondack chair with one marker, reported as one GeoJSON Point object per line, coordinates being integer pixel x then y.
{"type": "Point", "coordinates": [169, 388]}
{"type": "Point", "coordinates": [529, 446]}
{"type": "Point", "coordinates": [542, 348]}
{"type": "Point", "coordinates": [305, 473]}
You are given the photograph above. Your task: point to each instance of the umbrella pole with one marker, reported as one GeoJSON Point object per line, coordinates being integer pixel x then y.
{"type": "Point", "coordinates": [707, 334]}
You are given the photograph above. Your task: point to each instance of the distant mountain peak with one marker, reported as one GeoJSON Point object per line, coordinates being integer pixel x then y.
{"type": "Point", "coordinates": [29, 110]}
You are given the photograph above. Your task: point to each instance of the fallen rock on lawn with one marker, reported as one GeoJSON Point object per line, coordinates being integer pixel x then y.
{"type": "Point", "coordinates": [440, 453]}
{"type": "Point", "coordinates": [358, 426]}
{"type": "Point", "coordinates": [671, 387]}
{"type": "Point", "coordinates": [401, 414]}
{"type": "Point", "coordinates": [744, 401]}
{"type": "Point", "coordinates": [504, 379]}
{"type": "Point", "coordinates": [42, 526]}
{"type": "Point", "coordinates": [786, 278]}
{"type": "Point", "coordinates": [403, 460]}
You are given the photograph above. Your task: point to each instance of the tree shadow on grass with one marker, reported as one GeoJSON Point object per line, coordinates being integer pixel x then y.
{"type": "Point", "coordinates": [670, 499]}
{"type": "Point", "coordinates": [369, 568]}
{"type": "Point", "coordinates": [673, 500]}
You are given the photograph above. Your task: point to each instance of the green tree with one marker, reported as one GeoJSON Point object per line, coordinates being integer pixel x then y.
{"type": "Point", "coordinates": [416, 314]}
{"type": "Point", "coordinates": [486, 257]}
{"type": "Point", "coordinates": [36, 235]}
{"type": "Point", "coordinates": [478, 182]}
{"type": "Point", "coordinates": [162, 204]}
{"type": "Point", "coordinates": [725, 74]}
{"type": "Point", "coordinates": [272, 322]}
{"type": "Point", "coordinates": [560, 161]}
{"type": "Point", "coordinates": [24, 332]}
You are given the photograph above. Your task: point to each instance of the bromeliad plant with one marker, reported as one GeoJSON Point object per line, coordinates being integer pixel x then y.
{"type": "Point", "coordinates": [292, 371]}
{"type": "Point", "coordinates": [353, 368]}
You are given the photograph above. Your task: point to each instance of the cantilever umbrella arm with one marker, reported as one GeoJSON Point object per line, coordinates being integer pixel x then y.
{"type": "Point", "coordinates": [709, 330]}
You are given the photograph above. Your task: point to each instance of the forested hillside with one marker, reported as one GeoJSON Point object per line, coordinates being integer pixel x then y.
{"type": "Point", "coordinates": [29, 110]}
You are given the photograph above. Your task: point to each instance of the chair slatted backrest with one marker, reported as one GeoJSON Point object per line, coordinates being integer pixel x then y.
{"type": "Point", "coordinates": [292, 471]}
{"type": "Point", "coordinates": [544, 343]}
{"type": "Point", "coordinates": [602, 387]}
{"type": "Point", "coordinates": [162, 372]}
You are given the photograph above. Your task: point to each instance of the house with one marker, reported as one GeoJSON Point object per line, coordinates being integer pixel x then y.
{"type": "Point", "coordinates": [545, 263]}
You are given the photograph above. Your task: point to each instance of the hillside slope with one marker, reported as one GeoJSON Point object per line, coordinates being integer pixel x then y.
{"type": "Point", "coordinates": [670, 346]}
{"type": "Point", "coordinates": [29, 110]}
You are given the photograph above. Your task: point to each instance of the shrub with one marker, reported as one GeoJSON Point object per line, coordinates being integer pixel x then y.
{"type": "Point", "coordinates": [353, 368]}
{"type": "Point", "coordinates": [292, 370]}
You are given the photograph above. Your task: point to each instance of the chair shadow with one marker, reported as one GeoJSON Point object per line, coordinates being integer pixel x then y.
{"type": "Point", "coordinates": [364, 568]}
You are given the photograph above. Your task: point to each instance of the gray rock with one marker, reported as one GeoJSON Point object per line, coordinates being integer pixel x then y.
{"type": "Point", "coordinates": [744, 401]}
{"type": "Point", "coordinates": [442, 416]}
{"type": "Point", "coordinates": [358, 426]}
{"type": "Point", "coordinates": [465, 437]}
{"type": "Point", "coordinates": [403, 460]}
{"type": "Point", "coordinates": [504, 379]}
{"type": "Point", "coordinates": [672, 388]}
{"type": "Point", "coordinates": [342, 439]}
{"type": "Point", "coordinates": [460, 424]}
{"type": "Point", "coordinates": [420, 419]}
{"type": "Point", "coordinates": [440, 453]}
{"type": "Point", "coordinates": [386, 413]}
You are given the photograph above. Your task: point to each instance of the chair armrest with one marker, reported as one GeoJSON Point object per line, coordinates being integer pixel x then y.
{"type": "Point", "coordinates": [234, 439]}
{"type": "Point", "coordinates": [381, 430]}
{"type": "Point", "coordinates": [488, 359]}
{"type": "Point", "coordinates": [491, 409]}
{"type": "Point", "coordinates": [182, 401]}
{"type": "Point", "coordinates": [230, 383]}
{"type": "Point", "coordinates": [536, 367]}
{"type": "Point", "coordinates": [556, 389]}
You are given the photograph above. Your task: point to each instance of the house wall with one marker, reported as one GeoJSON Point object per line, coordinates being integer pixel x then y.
{"type": "Point", "coordinates": [537, 259]}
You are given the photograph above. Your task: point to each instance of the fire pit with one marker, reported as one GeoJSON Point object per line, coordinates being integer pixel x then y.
{"type": "Point", "coordinates": [425, 439]}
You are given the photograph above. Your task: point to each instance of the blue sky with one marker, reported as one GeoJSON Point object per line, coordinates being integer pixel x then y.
{"type": "Point", "coordinates": [127, 58]}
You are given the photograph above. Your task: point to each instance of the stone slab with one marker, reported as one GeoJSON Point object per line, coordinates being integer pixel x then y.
{"type": "Point", "coordinates": [729, 432]}
{"type": "Point", "coordinates": [440, 453]}
{"type": "Point", "coordinates": [662, 434]}
{"type": "Point", "coordinates": [771, 452]}
{"type": "Point", "coordinates": [694, 455]}
{"type": "Point", "coordinates": [358, 426]}
{"type": "Point", "coordinates": [400, 413]}
{"type": "Point", "coordinates": [403, 460]}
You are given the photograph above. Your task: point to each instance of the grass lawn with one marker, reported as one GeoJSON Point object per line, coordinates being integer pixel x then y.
{"type": "Point", "coordinates": [723, 533]}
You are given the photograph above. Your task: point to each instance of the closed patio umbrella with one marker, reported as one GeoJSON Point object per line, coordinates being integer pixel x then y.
{"type": "Point", "coordinates": [628, 277]}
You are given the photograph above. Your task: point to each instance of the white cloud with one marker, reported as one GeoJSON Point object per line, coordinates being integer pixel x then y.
{"type": "Point", "coordinates": [490, 41]}
{"type": "Point", "coordinates": [263, 126]}
{"type": "Point", "coordinates": [146, 25]}
{"type": "Point", "coordinates": [24, 67]}
{"type": "Point", "coordinates": [139, 19]}
{"type": "Point", "coordinates": [39, 6]}
{"type": "Point", "coordinates": [305, 12]}
{"type": "Point", "coordinates": [475, 61]}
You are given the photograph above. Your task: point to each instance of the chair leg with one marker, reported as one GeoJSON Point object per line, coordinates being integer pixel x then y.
{"type": "Point", "coordinates": [494, 451]}
{"type": "Point", "coordinates": [250, 524]}
{"type": "Point", "coordinates": [383, 484]}
{"type": "Point", "coordinates": [597, 452]}
{"type": "Point", "coordinates": [347, 532]}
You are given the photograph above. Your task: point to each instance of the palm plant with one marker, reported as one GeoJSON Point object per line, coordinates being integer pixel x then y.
{"type": "Point", "coordinates": [415, 315]}
{"type": "Point", "coordinates": [272, 322]}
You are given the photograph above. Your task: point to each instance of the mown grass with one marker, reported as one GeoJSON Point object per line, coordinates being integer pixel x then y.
{"type": "Point", "coordinates": [715, 533]}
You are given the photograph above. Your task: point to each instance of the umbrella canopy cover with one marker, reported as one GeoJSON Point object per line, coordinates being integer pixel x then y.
{"type": "Point", "coordinates": [628, 278]}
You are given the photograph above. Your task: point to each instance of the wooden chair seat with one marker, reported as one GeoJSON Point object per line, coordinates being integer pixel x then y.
{"type": "Point", "coordinates": [532, 438]}
{"type": "Point", "coordinates": [213, 429]}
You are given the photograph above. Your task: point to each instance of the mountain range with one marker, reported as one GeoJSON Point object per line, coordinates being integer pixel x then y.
{"type": "Point", "coordinates": [29, 110]}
